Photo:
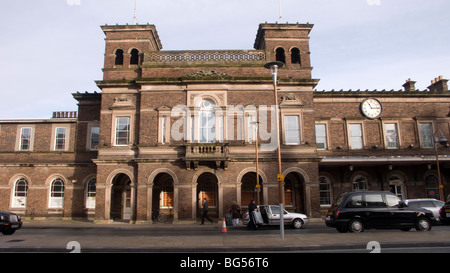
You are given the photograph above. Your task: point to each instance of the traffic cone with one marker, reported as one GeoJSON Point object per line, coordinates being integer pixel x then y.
{"type": "Point", "coordinates": [224, 225]}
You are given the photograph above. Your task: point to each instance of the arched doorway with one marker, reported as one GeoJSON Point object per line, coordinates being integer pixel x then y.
{"type": "Point", "coordinates": [294, 192]}
{"type": "Point", "coordinates": [163, 195]}
{"type": "Point", "coordinates": [249, 190]}
{"type": "Point", "coordinates": [121, 197]}
{"type": "Point", "coordinates": [207, 188]}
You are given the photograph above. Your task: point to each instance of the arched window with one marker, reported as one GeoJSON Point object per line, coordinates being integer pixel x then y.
{"type": "Point", "coordinates": [134, 59]}
{"type": "Point", "coordinates": [91, 193]}
{"type": "Point", "coordinates": [280, 55]}
{"type": "Point", "coordinates": [119, 57]}
{"type": "Point", "coordinates": [325, 190]}
{"type": "Point", "coordinates": [432, 186]}
{"type": "Point", "coordinates": [20, 193]}
{"type": "Point", "coordinates": [396, 186]}
{"type": "Point", "coordinates": [359, 183]}
{"type": "Point", "coordinates": [207, 122]}
{"type": "Point", "coordinates": [295, 56]}
{"type": "Point", "coordinates": [56, 194]}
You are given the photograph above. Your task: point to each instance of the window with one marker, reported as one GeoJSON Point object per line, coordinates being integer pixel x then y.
{"type": "Point", "coordinates": [359, 183]}
{"type": "Point", "coordinates": [432, 187]}
{"type": "Point", "coordinates": [94, 138]}
{"type": "Point", "coordinates": [166, 195]}
{"type": "Point", "coordinates": [25, 139]}
{"type": "Point", "coordinates": [288, 191]}
{"type": "Point", "coordinates": [392, 201]}
{"type": "Point", "coordinates": [396, 186]}
{"type": "Point", "coordinates": [280, 55]}
{"type": "Point", "coordinates": [356, 137]}
{"type": "Point", "coordinates": [20, 193]}
{"type": "Point", "coordinates": [321, 136]}
{"type": "Point", "coordinates": [134, 59]}
{"type": "Point", "coordinates": [295, 56]}
{"type": "Point", "coordinates": [426, 135]}
{"type": "Point", "coordinates": [325, 190]}
{"type": "Point", "coordinates": [91, 193]}
{"type": "Point", "coordinates": [207, 122]}
{"type": "Point", "coordinates": [60, 138]}
{"type": "Point", "coordinates": [163, 130]}
{"type": "Point", "coordinates": [122, 131]}
{"type": "Point", "coordinates": [391, 133]}
{"type": "Point", "coordinates": [251, 129]}
{"type": "Point", "coordinates": [292, 130]}
{"type": "Point", "coordinates": [119, 57]}
{"type": "Point", "coordinates": [355, 201]}
{"type": "Point", "coordinates": [374, 200]}
{"type": "Point", "coordinates": [56, 193]}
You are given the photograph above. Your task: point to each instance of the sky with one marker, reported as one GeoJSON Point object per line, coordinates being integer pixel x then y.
{"type": "Point", "coordinates": [50, 49]}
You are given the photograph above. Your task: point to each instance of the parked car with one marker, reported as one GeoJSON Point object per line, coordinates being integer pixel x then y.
{"type": "Point", "coordinates": [270, 215]}
{"type": "Point", "coordinates": [430, 204]}
{"type": "Point", "coordinates": [9, 222]}
{"type": "Point", "coordinates": [356, 211]}
{"type": "Point", "coordinates": [445, 213]}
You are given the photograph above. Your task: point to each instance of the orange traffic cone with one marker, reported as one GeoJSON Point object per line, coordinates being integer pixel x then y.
{"type": "Point", "coordinates": [224, 226]}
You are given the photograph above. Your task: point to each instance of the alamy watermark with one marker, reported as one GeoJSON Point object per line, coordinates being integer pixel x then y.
{"type": "Point", "coordinates": [230, 121]}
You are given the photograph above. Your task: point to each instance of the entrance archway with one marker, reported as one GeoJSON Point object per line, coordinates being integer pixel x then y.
{"type": "Point", "coordinates": [121, 198]}
{"type": "Point", "coordinates": [248, 189]}
{"type": "Point", "coordinates": [207, 188]}
{"type": "Point", "coordinates": [294, 192]}
{"type": "Point", "coordinates": [163, 194]}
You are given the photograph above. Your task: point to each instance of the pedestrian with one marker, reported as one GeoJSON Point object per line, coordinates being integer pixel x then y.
{"type": "Point", "coordinates": [235, 211]}
{"type": "Point", "coordinates": [251, 209]}
{"type": "Point", "coordinates": [205, 212]}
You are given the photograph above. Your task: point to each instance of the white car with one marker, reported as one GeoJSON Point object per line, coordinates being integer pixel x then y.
{"type": "Point", "coordinates": [430, 204]}
{"type": "Point", "coordinates": [270, 215]}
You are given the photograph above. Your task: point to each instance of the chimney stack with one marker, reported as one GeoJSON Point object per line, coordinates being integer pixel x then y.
{"type": "Point", "coordinates": [410, 85]}
{"type": "Point", "coordinates": [439, 85]}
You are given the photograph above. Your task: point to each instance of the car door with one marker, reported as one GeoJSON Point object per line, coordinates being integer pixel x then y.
{"type": "Point", "coordinates": [273, 213]}
{"type": "Point", "coordinates": [376, 212]}
{"type": "Point", "coordinates": [401, 216]}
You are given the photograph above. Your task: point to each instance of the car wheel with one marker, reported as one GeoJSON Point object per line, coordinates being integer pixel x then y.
{"type": "Point", "coordinates": [8, 232]}
{"type": "Point", "coordinates": [356, 226]}
{"type": "Point", "coordinates": [297, 223]}
{"type": "Point", "coordinates": [423, 224]}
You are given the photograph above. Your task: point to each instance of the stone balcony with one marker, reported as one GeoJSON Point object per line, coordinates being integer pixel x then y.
{"type": "Point", "coordinates": [198, 153]}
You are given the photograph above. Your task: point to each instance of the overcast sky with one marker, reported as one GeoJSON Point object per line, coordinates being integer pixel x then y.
{"type": "Point", "coordinates": [52, 48]}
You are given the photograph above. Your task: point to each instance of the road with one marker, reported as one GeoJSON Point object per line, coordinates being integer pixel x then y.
{"type": "Point", "coordinates": [166, 238]}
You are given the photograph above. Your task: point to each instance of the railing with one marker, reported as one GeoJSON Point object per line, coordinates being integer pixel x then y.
{"type": "Point", "coordinates": [205, 56]}
{"type": "Point", "coordinates": [65, 114]}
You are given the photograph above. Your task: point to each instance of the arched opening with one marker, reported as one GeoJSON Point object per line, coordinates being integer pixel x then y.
{"type": "Point", "coordinates": [249, 191]}
{"type": "Point", "coordinates": [163, 195]}
{"type": "Point", "coordinates": [207, 188]}
{"type": "Point", "coordinates": [121, 198]}
{"type": "Point", "coordinates": [295, 56]}
{"type": "Point", "coordinates": [280, 55]}
{"type": "Point", "coordinates": [119, 57]}
{"type": "Point", "coordinates": [294, 192]}
{"type": "Point", "coordinates": [134, 59]}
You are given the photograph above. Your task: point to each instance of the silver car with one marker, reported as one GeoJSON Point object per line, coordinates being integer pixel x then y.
{"type": "Point", "coordinates": [270, 215]}
{"type": "Point", "coordinates": [430, 204]}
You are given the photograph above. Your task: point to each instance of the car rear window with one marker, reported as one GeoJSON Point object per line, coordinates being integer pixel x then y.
{"type": "Point", "coordinates": [355, 201]}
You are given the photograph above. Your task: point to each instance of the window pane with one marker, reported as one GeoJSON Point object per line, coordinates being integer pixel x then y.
{"type": "Point", "coordinates": [60, 139]}
{"type": "Point", "coordinates": [321, 136]}
{"type": "Point", "coordinates": [95, 135]}
{"type": "Point", "coordinates": [122, 130]}
{"type": "Point", "coordinates": [426, 134]}
{"type": "Point", "coordinates": [292, 130]}
{"type": "Point", "coordinates": [25, 139]}
{"type": "Point", "coordinates": [391, 136]}
{"type": "Point", "coordinates": [356, 141]}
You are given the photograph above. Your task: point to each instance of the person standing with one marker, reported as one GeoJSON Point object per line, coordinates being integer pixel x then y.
{"type": "Point", "coordinates": [205, 212]}
{"type": "Point", "coordinates": [251, 208]}
{"type": "Point", "coordinates": [235, 213]}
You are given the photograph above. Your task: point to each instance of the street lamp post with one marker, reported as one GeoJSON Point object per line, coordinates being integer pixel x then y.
{"type": "Point", "coordinates": [443, 141]}
{"type": "Point", "coordinates": [273, 66]}
{"type": "Point", "coordinates": [258, 186]}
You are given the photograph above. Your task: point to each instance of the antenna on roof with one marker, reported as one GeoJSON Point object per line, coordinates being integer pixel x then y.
{"type": "Point", "coordinates": [279, 4]}
{"type": "Point", "coordinates": [134, 18]}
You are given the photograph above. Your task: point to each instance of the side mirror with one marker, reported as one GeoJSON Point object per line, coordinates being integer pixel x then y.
{"type": "Point", "coordinates": [402, 204]}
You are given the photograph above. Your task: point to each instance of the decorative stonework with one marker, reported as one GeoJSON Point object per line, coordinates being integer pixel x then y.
{"type": "Point", "coordinates": [207, 73]}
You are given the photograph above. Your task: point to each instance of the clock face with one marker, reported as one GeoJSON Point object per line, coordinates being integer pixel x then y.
{"type": "Point", "coordinates": [371, 108]}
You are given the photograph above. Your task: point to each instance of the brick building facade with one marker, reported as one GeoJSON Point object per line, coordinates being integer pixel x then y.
{"type": "Point", "coordinates": [173, 127]}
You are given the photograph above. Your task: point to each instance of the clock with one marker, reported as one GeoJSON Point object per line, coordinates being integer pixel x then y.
{"type": "Point", "coordinates": [371, 108]}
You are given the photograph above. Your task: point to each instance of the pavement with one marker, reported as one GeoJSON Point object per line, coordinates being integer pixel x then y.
{"type": "Point", "coordinates": [207, 238]}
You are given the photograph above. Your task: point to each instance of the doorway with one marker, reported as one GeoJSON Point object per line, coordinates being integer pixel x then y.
{"type": "Point", "coordinates": [121, 198]}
